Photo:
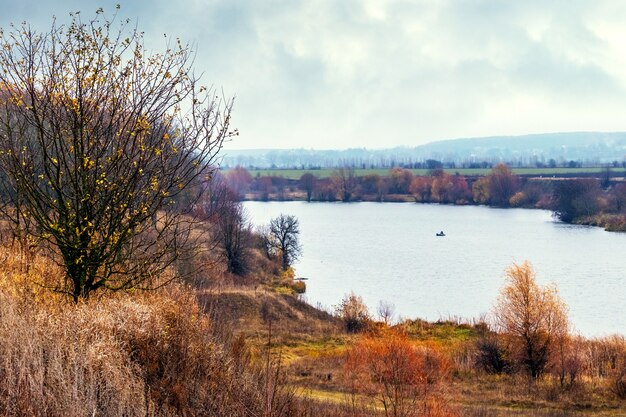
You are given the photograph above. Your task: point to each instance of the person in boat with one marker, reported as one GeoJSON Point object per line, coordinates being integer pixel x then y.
{"type": "Point", "coordinates": [441, 233]}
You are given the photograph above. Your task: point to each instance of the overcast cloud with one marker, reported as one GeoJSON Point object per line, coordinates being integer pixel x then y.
{"type": "Point", "coordinates": [377, 73]}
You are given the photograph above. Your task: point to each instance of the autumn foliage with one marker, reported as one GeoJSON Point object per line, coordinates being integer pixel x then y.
{"type": "Point", "coordinates": [403, 377]}
{"type": "Point", "coordinates": [532, 318]}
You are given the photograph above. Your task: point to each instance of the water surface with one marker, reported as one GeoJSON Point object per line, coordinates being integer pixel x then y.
{"type": "Point", "coordinates": [389, 252]}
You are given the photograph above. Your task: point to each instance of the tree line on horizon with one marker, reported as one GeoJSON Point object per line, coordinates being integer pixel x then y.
{"type": "Point", "coordinates": [596, 151]}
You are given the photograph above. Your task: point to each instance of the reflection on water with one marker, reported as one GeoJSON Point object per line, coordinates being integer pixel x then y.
{"type": "Point", "coordinates": [390, 252]}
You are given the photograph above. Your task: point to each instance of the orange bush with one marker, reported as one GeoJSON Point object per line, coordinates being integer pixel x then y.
{"type": "Point", "coordinates": [398, 374]}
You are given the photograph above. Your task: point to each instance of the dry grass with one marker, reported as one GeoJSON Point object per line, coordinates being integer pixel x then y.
{"type": "Point", "coordinates": [126, 354]}
{"type": "Point", "coordinates": [317, 367]}
{"type": "Point", "coordinates": [250, 311]}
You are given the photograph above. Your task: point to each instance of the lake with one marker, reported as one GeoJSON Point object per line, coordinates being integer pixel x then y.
{"type": "Point", "coordinates": [390, 252]}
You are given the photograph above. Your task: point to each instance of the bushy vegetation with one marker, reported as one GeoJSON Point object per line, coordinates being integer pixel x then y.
{"type": "Point", "coordinates": [499, 187]}
{"type": "Point", "coordinates": [598, 199]}
{"type": "Point", "coordinates": [523, 356]}
{"type": "Point", "coordinates": [354, 313]}
{"type": "Point", "coordinates": [405, 378]}
{"type": "Point", "coordinates": [108, 182]}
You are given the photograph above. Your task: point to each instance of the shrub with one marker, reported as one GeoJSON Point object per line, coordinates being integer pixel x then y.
{"type": "Point", "coordinates": [401, 376]}
{"type": "Point", "coordinates": [299, 287]}
{"type": "Point", "coordinates": [491, 355]}
{"type": "Point", "coordinates": [355, 314]}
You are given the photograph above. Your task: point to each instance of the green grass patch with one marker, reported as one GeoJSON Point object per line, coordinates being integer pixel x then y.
{"type": "Point", "coordinates": [444, 331]}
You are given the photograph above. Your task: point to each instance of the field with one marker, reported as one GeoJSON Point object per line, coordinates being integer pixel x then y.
{"type": "Point", "coordinates": [295, 174]}
{"type": "Point", "coordinates": [314, 365]}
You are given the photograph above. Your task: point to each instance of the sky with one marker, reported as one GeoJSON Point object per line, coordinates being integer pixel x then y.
{"type": "Point", "coordinates": [336, 74]}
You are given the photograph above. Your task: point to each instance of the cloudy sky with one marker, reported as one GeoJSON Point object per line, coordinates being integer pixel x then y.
{"type": "Point", "coordinates": [378, 73]}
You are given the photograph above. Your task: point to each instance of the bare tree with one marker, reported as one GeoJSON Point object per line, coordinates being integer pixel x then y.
{"type": "Point", "coordinates": [344, 182]}
{"type": "Point", "coordinates": [215, 195]}
{"type": "Point", "coordinates": [239, 180]}
{"type": "Point", "coordinates": [386, 311]}
{"type": "Point", "coordinates": [283, 239]}
{"type": "Point", "coordinates": [307, 183]}
{"type": "Point", "coordinates": [399, 180]}
{"type": "Point", "coordinates": [605, 176]}
{"type": "Point", "coordinates": [98, 141]}
{"type": "Point", "coordinates": [233, 235]}
{"type": "Point", "coordinates": [531, 317]}
{"type": "Point", "coordinates": [230, 231]}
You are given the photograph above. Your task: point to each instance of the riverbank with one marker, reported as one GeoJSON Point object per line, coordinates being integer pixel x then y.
{"type": "Point", "coordinates": [581, 199]}
{"type": "Point", "coordinates": [609, 222]}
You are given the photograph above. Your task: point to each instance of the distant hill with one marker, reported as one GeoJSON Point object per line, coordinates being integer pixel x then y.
{"type": "Point", "coordinates": [587, 148]}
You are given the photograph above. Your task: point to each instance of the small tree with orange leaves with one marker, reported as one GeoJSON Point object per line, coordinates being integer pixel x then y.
{"type": "Point", "coordinates": [532, 319]}
{"type": "Point", "coordinates": [421, 187]}
{"type": "Point", "coordinates": [393, 370]}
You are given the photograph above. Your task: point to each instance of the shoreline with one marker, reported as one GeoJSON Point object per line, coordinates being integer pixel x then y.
{"type": "Point", "coordinates": [609, 222]}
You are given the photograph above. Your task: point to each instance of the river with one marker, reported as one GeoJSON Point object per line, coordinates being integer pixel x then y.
{"type": "Point", "coordinates": [390, 252]}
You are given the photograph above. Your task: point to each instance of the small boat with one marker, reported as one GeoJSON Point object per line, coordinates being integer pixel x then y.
{"type": "Point", "coordinates": [441, 233]}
